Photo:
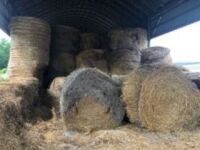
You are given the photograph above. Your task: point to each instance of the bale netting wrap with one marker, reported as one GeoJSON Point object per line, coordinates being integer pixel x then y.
{"type": "Point", "coordinates": [169, 101]}
{"type": "Point", "coordinates": [124, 61]}
{"type": "Point", "coordinates": [55, 92]}
{"type": "Point", "coordinates": [65, 39]}
{"type": "Point", "coordinates": [93, 58]}
{"type": "Point", "coordinates": [131, 89]}
{"type": "Point", "coordinates": [89, 41]}
{"type": "Point", "coordinates": [29, 52]}
{"type": "Point", "coordinates": [156, 55]}
{"type": "Point", "coordinates": [133, 38]}
{"type": "Point", "coordinates": [90, 101]}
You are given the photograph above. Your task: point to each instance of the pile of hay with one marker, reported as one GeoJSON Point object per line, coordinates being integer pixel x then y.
{"type": "Point", "coordinates": [90, 100]}
{"type": "Point", "coordinates": [169, 101]}
{"type": "Point", "coordinates": [55, 92]}
{"type": "Point", "coordinates": [131, 89]}
{"type": "Point", "coordinates": [94, 58]}
{"type": "Point", "coordinates": [89, 41]}
{"type": "Point", "coordinates": [23, 92]}
{"type": "Point", "coordinates": [128, 39]}
{"type": "Point", "coordinates": [124, 61]}
{"type": "Point", "coordinates": [194, 77]}
{"type": "Point", "coordinates": [29, 52]}
{"type": "Point", "coordinates": [156, 56]}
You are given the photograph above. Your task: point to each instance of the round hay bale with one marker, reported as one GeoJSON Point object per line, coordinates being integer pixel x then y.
{"type": "Point", "coordinates": [156, 55]}
{"type": "Point", "coordinates": [55, 93]}
{"type": "Point", "coordinates": [29, 52]}
{"type": "Point", "coordinates": [128, 39]}
{"type": "Point", "coordinates": [89, 41]}
{"type": "Point", "coordinates": [94, 58]}
{"type": "Point", "coordinates": [124, 61]}
{"type": "Point", "coordinates": [63, 64]}
{"type": "Point", "coordinates": [90, 100]}
{"type": "Point", "coordinates": [131, 91]}
{"type": "Point", "coordinates": [169, 101]}
{"type": "Point", "coordinates": [65, 39]}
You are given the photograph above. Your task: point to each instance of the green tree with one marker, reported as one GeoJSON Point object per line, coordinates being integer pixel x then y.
{"type": "Point", "coordinates": [4, 52]}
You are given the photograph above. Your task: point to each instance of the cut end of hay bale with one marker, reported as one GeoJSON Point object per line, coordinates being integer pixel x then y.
{"type": "Point", "coordinates": [169, 101]}
{"type": "Point", "coordinates": [90, 100]}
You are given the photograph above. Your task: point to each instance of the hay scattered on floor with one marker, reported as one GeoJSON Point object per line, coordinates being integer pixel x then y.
{"type": "Point", "coordinates": [90, 101]}
{"type": "Point", "coordinates": [94, 58]}
{"type": "Point", "coordinates": [169, 101]}
{"type": "Point", "coordinates": [131, 91]}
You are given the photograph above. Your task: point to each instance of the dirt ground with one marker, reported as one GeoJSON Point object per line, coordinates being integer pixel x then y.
{"type": "Point", "coordinates": [52, 136]}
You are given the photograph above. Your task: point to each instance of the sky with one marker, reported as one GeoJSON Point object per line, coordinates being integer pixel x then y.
{"type": "Point", "coordinates": [3, 35]}
{"type": "Point", "coordinates": [184, 43]}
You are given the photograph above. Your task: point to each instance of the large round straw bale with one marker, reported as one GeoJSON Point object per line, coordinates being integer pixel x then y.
{"type": "Point", "coordinates": [131, 91]}
{"type": "Point", "coordinates": [65, 39]}
{"type": "Point", "coordinates": [90, 100]}
{"type": "Point", "coordinates": [29, 52]}
{"type": "Point", "coordinates": [94, 58]}
{"type": "Point", "coordinates": [128, 39]}
{"type": "Point", "coordinates": [156, 55]}
{"type": "Point", "coordinates": [55, 93]}
{"type": "Point", "coordinates": [169, 101]}
{"type": "Point", "coordinates": [124, 61]}
{"type": "Point", "coordinates": [89, 41]}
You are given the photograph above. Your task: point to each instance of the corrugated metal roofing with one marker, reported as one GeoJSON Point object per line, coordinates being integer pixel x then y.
{"type": "Point", "coordinates": [93, 15]}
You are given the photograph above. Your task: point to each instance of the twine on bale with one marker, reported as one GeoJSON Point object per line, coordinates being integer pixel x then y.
{"type": "Point", "coordinates": [29, 53]}
{"type": "Point", "coordinates": [94, 58]}
{"type": "Point", "coordinates": [169, 101]}
{"type": "Point", "coordinates": [90, 101]}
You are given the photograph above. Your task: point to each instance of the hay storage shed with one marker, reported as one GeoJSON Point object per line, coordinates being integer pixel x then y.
{"type": "Point", "coordinates": [100, 16]}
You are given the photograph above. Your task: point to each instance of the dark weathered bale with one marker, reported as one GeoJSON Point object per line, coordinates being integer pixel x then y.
{"type": "Point", "coordinates": [128, 39]}
{"type": "Point", "coordinates": [169, 101]}
{"type": "Point", "coordinates": [131, 91]}
{"type": "Point", "coordinates": [94, 58]}
{"type": "Point", "coordinates": [29, 52]}
{"type": "Point", "coordinates": [65, 39]}
{"type": "Point", "coordinates": [194, 77]}
{"type": "Point", "coordinates": [124, 61]}
{"type": "Point", "coordinates": [89, 41]}
{"type": "Point", "coordinates": [90, 100]}
{"type": "Point", "coordinates": [55, 92]}
{"type": "Point", "coordinates": [156, 55]}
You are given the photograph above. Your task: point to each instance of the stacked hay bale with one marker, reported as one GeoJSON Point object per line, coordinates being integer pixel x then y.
{"type": "Point", "coordinates": [90, 100]}
{"type": "Point", "coordinates": [93, 58]}
{"type": "Point", "coordinates": [90, 55]}
{"type": "Point", "coordinates": [29, 53]}
{"type": "Point", "coordinates": [156, 56]}
{"type": "Point", "coordinates": [162, 99]}
{"type": "Point", "coordinates": [89, 41]}
{"type": "Point", "coordinates": [55, 92]}
{"type": "Point", "coordinates": [65, 44]}
{"type": "Point", "coordinates": [126, 46]}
